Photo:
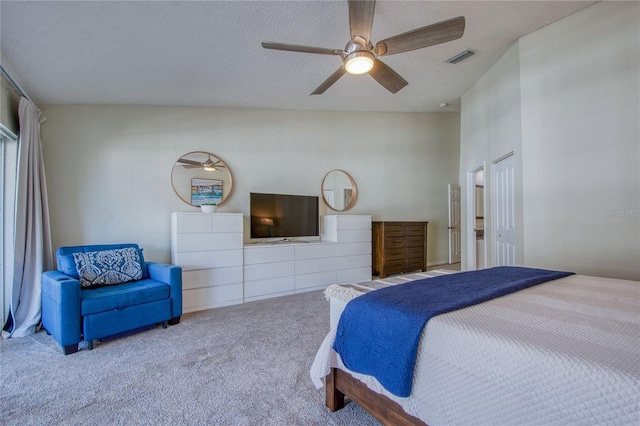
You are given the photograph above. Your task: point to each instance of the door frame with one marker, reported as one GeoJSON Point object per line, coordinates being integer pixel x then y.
{"type": "Point", "coordinates": [452, 229]}
{"type": "Point", "coordinates": [470, 234]}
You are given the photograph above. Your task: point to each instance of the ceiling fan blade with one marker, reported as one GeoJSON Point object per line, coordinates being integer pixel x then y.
{"type": "Point", "coordinates": [192, 162]}
{"type": "Point", "coordinates": [299, 48]}
{"type": "Point", "coordinates": [361, 18]}
{"type": "Point", "coordinates": [383, 74]}
{"type": "Point", "coordinates": [430, 35]}
{"type": "Point", "coordinates": [329, 82]}
{"type": "Point", "coordinates": [192, 166]}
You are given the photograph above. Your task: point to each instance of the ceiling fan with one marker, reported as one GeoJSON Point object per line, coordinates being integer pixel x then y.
{"type": "Point", "coordinates": [360, 56]}
{"type": "Point", "coordinates": [208, 165]}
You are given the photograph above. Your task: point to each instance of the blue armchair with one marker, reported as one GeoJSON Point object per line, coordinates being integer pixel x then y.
{"type": "Point", "coordinates": [81, 301]}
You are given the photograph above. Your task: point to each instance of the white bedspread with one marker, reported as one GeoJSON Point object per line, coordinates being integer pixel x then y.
{"type": "Point", "coordinates": [563, 352]}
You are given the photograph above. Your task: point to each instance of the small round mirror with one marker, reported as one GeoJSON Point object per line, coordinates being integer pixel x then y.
{"type": "Point", "coordinates": [200, 177]}
{"type": "Point", "coordinates": [339, 191]}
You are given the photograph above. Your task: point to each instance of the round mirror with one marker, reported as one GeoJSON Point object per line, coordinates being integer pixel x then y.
{"type": "Point", "coordinates": [339, 190]}
{"type": "Point", "coordinates": [200, 177]}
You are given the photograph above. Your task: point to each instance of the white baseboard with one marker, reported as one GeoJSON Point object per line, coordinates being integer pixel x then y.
{"type": "Point", "coordinates": [438, 262]}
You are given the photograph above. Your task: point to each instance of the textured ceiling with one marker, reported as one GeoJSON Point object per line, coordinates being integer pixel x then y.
{"type": "Point", "coordinates": [209, 53]}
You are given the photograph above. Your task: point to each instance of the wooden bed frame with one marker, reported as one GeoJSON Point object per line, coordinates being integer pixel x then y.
{"type": "Point", "coordinates": [339, 384]}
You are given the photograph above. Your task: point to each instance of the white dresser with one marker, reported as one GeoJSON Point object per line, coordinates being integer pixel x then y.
{"type": "Point", "coordinates": [209, 249]}
{"type": "Point", "coordinates": [217, 270]}
{"type": "Point", "coordinates": [272, 270]}
{"type": "Point", "coordinates": [268, 271]}
{"type": "Point", "coordinates": [352, 233]}
{"type": "Point", "coordinates": [316, 265]}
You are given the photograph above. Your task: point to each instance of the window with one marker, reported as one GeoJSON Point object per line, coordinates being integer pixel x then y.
{"type": "Point", "coordinates": [8, 173]}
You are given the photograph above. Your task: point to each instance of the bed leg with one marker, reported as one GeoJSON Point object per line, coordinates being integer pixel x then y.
{"type": "Point", "coordinates": [335, 398]}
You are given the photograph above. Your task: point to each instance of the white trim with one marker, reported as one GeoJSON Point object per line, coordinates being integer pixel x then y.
{"type": "Point", "coordinates": [439, 262]}
{"type": "Point", "coordinates": [504, 157]}
{"type": "Point", "coordinates": [5, 132]}
{"type": "Point", "coordinates": [7, 75]}
{"type": "Point", "coordinates": [5, 276]}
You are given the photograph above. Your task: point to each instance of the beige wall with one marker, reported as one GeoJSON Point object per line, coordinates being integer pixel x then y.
{"type": "Point", "coordinates": [108, 167]}
{"type": "Point", "coordinates": [9, 100]}
{"type": "Point", "coordinates": [566, 98]}
{"type": "Point", "coordinates": [581, 142]}
{"type": "Point", "coordinates": [490, 129]}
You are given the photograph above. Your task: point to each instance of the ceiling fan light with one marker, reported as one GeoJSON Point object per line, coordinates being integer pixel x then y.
{"type": "Point", "coordinates": [359, 63]}
{"type": "Point", "coordinates": [209, 165]}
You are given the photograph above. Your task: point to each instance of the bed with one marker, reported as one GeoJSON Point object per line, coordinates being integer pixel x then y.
{"type": "Point", "coordinates": [563, 352]}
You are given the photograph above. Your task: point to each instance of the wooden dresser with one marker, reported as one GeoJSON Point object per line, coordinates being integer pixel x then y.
{"type": "Point", "coordinates": [399, 247]}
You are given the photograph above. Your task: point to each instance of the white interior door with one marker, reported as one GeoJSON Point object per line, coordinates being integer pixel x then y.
{"type": "Point", "coordinates": [454, 223]}
{"type": "Point", "coordinates": [504, 212]}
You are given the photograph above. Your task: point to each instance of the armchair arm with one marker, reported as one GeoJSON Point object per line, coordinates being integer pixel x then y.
{"type": "Point", "coordinates": [61, 307]}
{"type": "Point", "coordinates": [172, 275]}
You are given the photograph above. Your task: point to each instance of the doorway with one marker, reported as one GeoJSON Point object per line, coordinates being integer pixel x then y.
{"type": "Point", "coordinates": [479, 223]}
{"type": "Point", "coordinates": [475, 220]}
{"type": "Point", "coordinates": [454, 224]}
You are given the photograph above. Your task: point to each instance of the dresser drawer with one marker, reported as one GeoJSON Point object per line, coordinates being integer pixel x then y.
{"type": "Point", "coordinates": [414, 264]}
{"type": "Point", "coordinates": [415, 253]}
{"type": "Point", "coordinates": [415, 242]}
{"type": "Point", "coordinates": [394, 243]}
{"type": "Point", "coordinates": [394, 266]}
{"type": "Point", "coordinates": [396, 254]}
{"type": "Point", "coordinates": [394, 231]}
{"type": "Point", "coordinates": [415, 230]}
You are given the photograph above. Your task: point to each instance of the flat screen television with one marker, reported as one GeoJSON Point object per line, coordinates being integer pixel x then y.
{"type": "Point", "coordinates": [284, 216]}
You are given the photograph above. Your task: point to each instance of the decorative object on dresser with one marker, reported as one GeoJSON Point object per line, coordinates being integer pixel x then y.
{"type": "Point", "coordinates": [200, 177]}
{"type": "Point", "coordinates": [399, 247]}
{"type": "Point", "coordinates": [208, 207]}
{"type": "Point", "coordinates": [339, 190]}
{"type": "Point", "coordinates": [209, 249]}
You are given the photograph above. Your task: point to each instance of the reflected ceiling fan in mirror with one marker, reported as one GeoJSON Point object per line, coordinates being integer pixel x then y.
{"type": "Point", "coordinates": [360, 56]}
{"type": "Point", "coordinates": [208, 165]}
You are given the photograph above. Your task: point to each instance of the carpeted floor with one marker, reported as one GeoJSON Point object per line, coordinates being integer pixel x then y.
{"type": "Point", "coordinates": [240, 365]}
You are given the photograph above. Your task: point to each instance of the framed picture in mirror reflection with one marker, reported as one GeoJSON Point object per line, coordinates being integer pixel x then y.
{"type": "Point", "coordinates": [205, 191]}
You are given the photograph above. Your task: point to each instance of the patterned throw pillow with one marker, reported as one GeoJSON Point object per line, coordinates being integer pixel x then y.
{"type": "Point", "coordinates": [107, 267]}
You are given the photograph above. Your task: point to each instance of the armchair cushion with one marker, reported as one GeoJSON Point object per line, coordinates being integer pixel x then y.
{"type": "Point", "coordinates": [108, 267]}
{"type": "Point", "coordinates": [102, 299]}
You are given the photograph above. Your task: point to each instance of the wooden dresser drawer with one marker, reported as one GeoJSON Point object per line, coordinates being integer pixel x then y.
{"type": "Point", "coordinates": [415, 230]}
{"type": "Point", "coordinates": [415, 252]}
{"type": "Point", "coordinates": [394, 266]}
{"type": "Point", "coordinates": [415, 242]}
{"type": "Point", "coordinates": [414, 265]}
{"type": "Point", "coordinates": [396, 254]}
{"type": "Point", "coordinates": [394, 243]}
{"type": "Point", "coordinates": [391, 231]}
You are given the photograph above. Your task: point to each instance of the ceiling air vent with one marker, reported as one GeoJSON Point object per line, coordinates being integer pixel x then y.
{"type": "Point", "coordinates": [461, 56]}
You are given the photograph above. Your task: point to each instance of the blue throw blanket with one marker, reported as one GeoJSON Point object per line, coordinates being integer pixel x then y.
{"type": "Point", "coordinates": [379, 332]}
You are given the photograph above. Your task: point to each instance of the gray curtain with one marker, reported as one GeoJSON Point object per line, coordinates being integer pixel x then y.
{"type": "Point", "coordinates": [33, 252]}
